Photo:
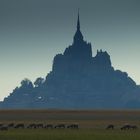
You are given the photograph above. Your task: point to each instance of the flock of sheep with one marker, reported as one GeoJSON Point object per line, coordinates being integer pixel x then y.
{"type": "Point", "coordinates": [4, 127]}
{"type": "Point", "coordinates": [125, 127]}
{"type": "Point", "coordinates": [36, 126]}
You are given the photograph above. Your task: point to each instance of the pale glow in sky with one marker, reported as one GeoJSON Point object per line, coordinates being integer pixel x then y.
{"type": "Point", "coordinates": [32, 32]}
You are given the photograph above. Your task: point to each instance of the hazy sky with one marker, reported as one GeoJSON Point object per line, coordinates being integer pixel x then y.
{"type": "Point", "coordinates": [32, 32]}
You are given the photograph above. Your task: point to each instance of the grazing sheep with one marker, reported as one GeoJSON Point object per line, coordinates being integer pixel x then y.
{"type": "Point", "coordinates": [48, 126]}
{"type": "Point", "coordinates": [127, 127]}
{"type": "Point", "coordinates": [39, 125]}
{"type": "Point", "coordinates": [73, 126]}
{"type": "Point", "coordinates": [4, 128]}
{"type": "Point", "coordinates": [32, 126]}
{"type": "Point", "coordinates": [1, 125]}
{"type": "Point", "coordinates": [134, 127]}
{"type": "Point", "coordinates": [11, 125]}
{"type": "Point", "coordinates": [19, 125]}
{"type": "Point", "coordinates": [111, 126]}
{"type": "Point", "coordinates": [60, 126]}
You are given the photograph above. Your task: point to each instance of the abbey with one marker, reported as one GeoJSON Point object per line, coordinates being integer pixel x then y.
{"type": "Point", "coordinates": [78, 80]}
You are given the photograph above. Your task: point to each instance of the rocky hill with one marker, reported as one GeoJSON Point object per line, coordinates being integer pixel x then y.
{"type": "Point", "coordinates": [78, 81]}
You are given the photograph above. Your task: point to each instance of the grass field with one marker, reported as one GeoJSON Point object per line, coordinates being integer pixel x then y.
{"type": "Point", "coordinates": [92, 125]}
{"type": "Point", "coordinates": [82, 134]}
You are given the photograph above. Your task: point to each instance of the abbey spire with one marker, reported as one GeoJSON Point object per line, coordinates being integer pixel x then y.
{"type": "Point", "coordinates": [78, 37]}
{"type": "Point", "coordinates": [78, 22]}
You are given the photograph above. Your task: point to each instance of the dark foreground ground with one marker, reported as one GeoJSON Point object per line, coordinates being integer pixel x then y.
{"type": "Point", "coordinates": [92, 124]}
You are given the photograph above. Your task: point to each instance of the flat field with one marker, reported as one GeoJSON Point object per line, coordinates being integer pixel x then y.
{"type": "Point", "coordinates": [92, 124]}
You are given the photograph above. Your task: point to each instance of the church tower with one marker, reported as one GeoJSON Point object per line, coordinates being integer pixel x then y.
{"type": "Point", "coordinates": [78, 37]}
{"type": "Point", "coordinates": [80, 49]}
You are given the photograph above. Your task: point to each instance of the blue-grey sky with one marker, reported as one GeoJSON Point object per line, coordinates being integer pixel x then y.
{"type": "Point", "coordinates": [32, 32]}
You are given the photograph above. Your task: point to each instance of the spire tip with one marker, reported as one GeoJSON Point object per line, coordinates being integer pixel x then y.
{"type": "Point", "coordinates": [78, 21]}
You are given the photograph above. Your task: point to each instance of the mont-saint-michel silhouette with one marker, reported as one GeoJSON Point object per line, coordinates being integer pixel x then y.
{"type": "Point", "coordinates": [77, 81]}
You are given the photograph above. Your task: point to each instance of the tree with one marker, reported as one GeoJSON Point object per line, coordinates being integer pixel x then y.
{"type": "Point", "coordinates": [39, 81]}
{"type": "Point", "coordinates": [26, 83]}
